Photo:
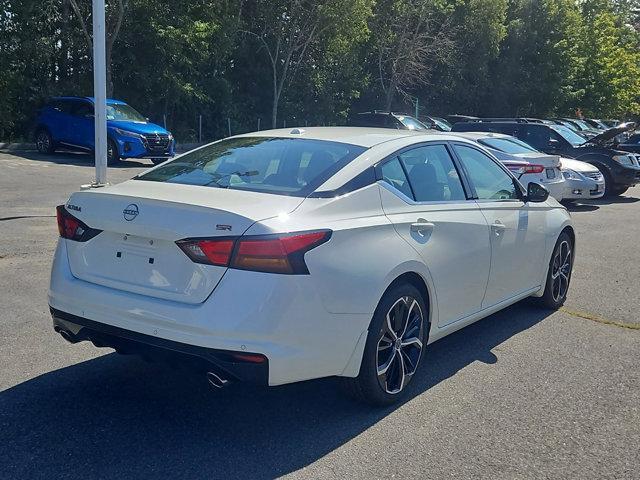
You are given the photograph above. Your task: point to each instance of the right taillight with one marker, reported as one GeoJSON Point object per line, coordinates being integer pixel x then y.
{"type": "Point", "coordinates": [262, 253]}
{"type": "Point", "coordinates": [73, 229]}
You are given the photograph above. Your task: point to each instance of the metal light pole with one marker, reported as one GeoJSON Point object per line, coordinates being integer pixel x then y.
{"type": "Point", "coordinates": [100, 91]}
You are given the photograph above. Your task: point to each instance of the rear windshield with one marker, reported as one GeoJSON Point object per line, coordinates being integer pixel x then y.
{"type": "Point", "coordinates": [283, 166]}
{"type": "Point", "coordinates": [507, 145]}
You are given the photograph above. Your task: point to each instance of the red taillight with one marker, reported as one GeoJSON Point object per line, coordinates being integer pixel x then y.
{"type": "Point", "coordinates": [267, 253]}
{"type": "Point", "coordinates": [533, 168]}
{"type": "Point", "coordinates": [71, 228]}
{"type": "Point", "coordinates": [208, 251]}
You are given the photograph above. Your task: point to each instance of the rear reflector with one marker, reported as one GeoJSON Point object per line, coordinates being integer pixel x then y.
{"type": "Point", "coordinates": [265, 253]}
{"type": "Point", "coordinates": [71, 228]}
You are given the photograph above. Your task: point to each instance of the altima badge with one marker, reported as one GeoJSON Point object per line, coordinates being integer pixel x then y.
{"type": "Point", "coordinates": [130, 212]}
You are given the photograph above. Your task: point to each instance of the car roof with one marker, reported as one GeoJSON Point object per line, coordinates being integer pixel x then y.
{"type": "Point", "coordinates": [479, 135]}
{"type": "Point", "coordinates": [362, 136]}
{"type": "Point", "coordinates": [110, 101]}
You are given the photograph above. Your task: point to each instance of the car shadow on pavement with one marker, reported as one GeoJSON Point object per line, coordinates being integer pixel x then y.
{"type": "Point", "coordinates": [581, 207]}
{"type": "Point", "coordinates": [118, 417]}
{"type": "Point", "coordinates": [79, 158]}
{"type": "Point", "coordinates": [614, 200]}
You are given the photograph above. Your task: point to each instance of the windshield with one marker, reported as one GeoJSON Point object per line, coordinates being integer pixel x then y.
{"type": "Point", "coordinates": [282, 166]}
{"type": "Point", "coordinates": [582, 124]}
{"type": "Point", "coordinates": [569, 135]}
{"type": "Point", "coordinates": [507, 145]}
{"type": "Point", "coordinates": [411, 123]}
{"type": "Point", "coordinates": [124, 112]}
{"type": "Point", "coordinates": [445, 127]}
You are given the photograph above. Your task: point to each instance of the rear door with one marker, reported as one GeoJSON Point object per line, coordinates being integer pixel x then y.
{"type": "Point", "coordinates": [517, 228]}
{"type": "Point", "coordinates": [83, 124]}
{"type": "Point", "coordinates": [423, 196]}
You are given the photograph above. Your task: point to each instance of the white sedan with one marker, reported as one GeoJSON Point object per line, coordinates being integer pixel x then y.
{"type": "Point", "coordinates": [286, 255]}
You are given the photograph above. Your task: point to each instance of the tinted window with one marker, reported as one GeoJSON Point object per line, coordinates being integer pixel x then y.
{"type": "Point", "coordinates": [432, 174]}
{"type": "Point", "coordinates": [63, 106]}
{"type": "Point", "coordinates": [393, 174]}
{"type": "Point", "coordinates": [489, 179]}
{"type": "Point", "coordinates": [569, 135]}
{"type": "Point", "coordinates": [82, 109]}
{"type": "Point", "coordinates": [283, 166]}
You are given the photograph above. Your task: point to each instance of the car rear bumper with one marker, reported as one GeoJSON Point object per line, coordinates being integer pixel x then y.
{"type": "Point", "coordinates": [279, 316]}
{"type": "Point", "coordinates": [233, 366]}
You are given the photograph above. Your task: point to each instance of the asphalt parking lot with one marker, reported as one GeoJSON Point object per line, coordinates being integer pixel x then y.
{"type": "Point", "coordinates": [521, 394]}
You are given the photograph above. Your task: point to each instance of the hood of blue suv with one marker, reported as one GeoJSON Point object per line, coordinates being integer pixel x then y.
{"type": "Point", "coordinates": [137, 127]}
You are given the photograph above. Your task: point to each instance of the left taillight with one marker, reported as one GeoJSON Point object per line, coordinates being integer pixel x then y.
{"type": "Point", "coordinates": [261, 253]}
{"type": "Point", "coordinates": [73, 229]}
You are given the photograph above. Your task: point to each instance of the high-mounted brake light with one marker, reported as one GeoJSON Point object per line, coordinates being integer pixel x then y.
{"type": "Point", "coordinates": [262, 253]}
{"type": "Point", "coordinates": [73, 229]}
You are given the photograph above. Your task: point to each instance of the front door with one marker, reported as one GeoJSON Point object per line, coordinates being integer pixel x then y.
{"type": "Point", "coordinates": [516, 228]}
{"type": "Point", "coordinates": [423, 196]}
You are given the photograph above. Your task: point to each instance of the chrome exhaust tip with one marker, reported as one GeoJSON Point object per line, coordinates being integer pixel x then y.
{"type": "Point", "coordinates": [216, 381]}
{"type": "Point", "coordinates": [68, 336]}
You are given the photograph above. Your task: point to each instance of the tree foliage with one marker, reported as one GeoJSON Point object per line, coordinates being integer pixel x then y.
{"type": "Point", "coordinates": [249, 63]}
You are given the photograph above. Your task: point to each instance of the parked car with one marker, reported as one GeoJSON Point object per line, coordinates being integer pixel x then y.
{"type": "Point", "coordinates": [68, 122]}
{"type": "Point", "coordinates": [621, 169]}
{"type": "Point", "coordinates": [583, 181]}
{"type": "Point", "coordinates": [387, 120]}
{"type": "Point", "coordinates": [632, 144]}
{"type": "Point", "coordinates": [579, 126]}
{"type": "Point", "coordinates": [286, 255]}
{"type": "Point", "coordinates": [595, 123]}
{"type": "Point", "coordinates": [539, 168]}
{"type": "Point", "coordinates": [444, 124]}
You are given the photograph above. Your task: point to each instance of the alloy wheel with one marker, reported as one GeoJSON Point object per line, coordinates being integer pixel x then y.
{"type": "Point", "coordinates": [400, 347]}
{"type": "Point", "coordinates": [561, 271]}
{"type": "Point", "coordinates": [43, 142]}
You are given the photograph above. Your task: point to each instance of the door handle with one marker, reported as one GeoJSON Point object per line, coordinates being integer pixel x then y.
{"type": "Point", "coordinates": [422, 228]}
{"type": "Point", "coordinates": [498, 227]}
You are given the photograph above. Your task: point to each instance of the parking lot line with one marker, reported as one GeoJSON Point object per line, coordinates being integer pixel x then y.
{"type": "Point", "coordinates": [596, 318]}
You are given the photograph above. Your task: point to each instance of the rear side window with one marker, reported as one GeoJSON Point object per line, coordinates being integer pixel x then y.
{"type": "Point", "coordinates": [282, 166]}
{"type": "Point", "coordinates": [393, 174]}
{"type": "Point", "coordinates": [491, 182]}
{"type": "Point", "coordinates": [432, 174]}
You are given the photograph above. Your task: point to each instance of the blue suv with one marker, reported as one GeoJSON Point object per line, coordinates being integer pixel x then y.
{"type": "Point", "coordinates": [68, 122]}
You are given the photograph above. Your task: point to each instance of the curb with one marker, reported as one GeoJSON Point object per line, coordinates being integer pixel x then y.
{"type": "Point", "coordinates": [17, 146]}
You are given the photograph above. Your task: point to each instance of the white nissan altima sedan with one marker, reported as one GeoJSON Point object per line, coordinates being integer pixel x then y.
{"type": "Point", "coordinates": [287, 255]}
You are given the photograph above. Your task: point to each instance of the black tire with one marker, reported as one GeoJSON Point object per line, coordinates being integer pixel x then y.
{"type": "Point", "coordinates": [612, 189]}
{"type": "Point", "coordinates": [386, 388]}
{"type": "Point", "coordinates": [559, 274]}
{"type": "Point", "coordinates": [113, 157]}
{"type": "Point", "coordinates": [44, 141]}
{"type": "Point", "coordinates": [619, 190]}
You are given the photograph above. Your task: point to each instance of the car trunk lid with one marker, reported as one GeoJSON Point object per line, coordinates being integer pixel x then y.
{"type": "Point", "coordinates": [141, 221]}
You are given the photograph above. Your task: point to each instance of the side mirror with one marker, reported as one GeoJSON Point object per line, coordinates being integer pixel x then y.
{"type": "Point", "coordinates": [536, 193]}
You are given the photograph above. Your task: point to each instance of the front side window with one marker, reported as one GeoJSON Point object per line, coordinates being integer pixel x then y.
{"type": "Point", "coordinates": [432, 174]}
{"type": "Point", "coordinates": [491, 182]}
{"type": "Point", "coordinates": [282, 166]}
